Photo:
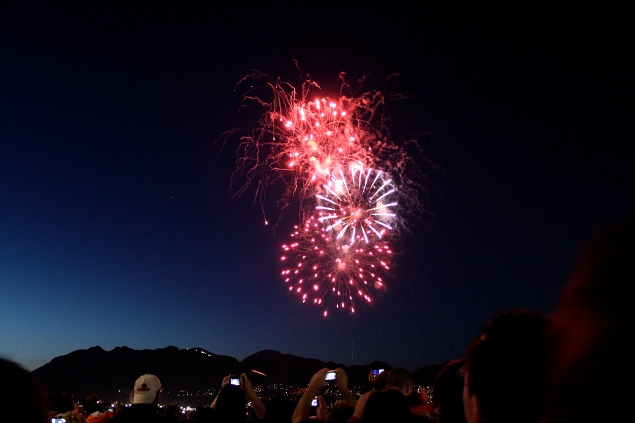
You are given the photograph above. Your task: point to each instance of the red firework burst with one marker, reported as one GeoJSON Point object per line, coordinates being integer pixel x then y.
{"type": "Point", "coordinates": [328, 273]}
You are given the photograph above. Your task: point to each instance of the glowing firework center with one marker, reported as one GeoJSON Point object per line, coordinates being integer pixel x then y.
{"type": "Point", "coordinates": [358, 205]}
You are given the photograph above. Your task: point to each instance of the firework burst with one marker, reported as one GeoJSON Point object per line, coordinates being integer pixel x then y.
{"type": "Point", "coordinates": [321, 135]}
{"type": "Point", "coordinates": [358, 205]}
{"type": "Point", "coordinates": [327, 273]}
{"type": "Point", "coordinates": [336, 161]}
{"type": "Point", "coordinates": [303, 138]}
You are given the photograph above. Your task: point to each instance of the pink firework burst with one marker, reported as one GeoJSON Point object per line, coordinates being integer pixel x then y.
{"type": "Point", "coordinates": [358, 206]}
{"type": "Point", "coordinates": [329, 273]}
{"type": "Point", "coordinates": [322, 135]}
{"type": "Point", "coordinates": [303, 138]}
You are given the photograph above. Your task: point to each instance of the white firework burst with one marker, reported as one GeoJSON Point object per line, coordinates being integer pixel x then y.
{"type": "Point", "coordinates": [359, 206]}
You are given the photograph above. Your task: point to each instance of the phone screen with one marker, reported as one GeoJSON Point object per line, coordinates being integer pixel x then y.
{"type": "Point", "coordinates": [330, 376]}
{"type": "Point", "coordinates": [235, 381]}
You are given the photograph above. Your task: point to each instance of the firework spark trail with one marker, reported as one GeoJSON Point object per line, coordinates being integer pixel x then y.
{"type": "Point", "coordinates": [327, 273]}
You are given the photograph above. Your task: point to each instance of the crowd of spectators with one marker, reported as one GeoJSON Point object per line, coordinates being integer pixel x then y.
{"type": "Point", "coordinates": [523, 366]}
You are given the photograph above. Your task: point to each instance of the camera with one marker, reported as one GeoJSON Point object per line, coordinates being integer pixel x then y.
{"type": "Point", "coordinates": [330, 376]}
{"type": "Point", "coordinates": [234, 381]}
{"type": "Point", "coordinates": [314, 402]}
{"type": "Point", "coordinates": [377, 371]}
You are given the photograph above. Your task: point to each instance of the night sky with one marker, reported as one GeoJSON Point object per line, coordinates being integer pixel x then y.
{"type": "Point", "coordinates": [118, 225]}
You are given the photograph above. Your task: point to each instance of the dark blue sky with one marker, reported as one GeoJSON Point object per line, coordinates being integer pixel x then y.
{"type": "Point", "coordinates": [118, 227]}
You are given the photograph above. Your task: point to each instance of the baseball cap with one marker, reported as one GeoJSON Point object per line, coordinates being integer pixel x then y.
{"type": "Point", "coordinates": [145, 389]}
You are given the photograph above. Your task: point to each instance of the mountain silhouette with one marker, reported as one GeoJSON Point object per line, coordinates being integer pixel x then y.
{"type": "Point", "coordinates": [190, 375]}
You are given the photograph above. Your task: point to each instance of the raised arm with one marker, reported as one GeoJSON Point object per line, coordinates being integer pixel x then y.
{"type": "Point", "coordinates": [223, 383]}
{"type": "Point", "coordinates": [358, 414]}
{"type": "Point", "coordinates": [303, 407]}
{"type": "Point", "coordinates": [256, 402]}
{"type": "Point", "coordinates": [342, 385]}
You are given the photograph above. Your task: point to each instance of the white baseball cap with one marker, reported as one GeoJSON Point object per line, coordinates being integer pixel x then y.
{"type": "Point", "coordinates": [145, 389]}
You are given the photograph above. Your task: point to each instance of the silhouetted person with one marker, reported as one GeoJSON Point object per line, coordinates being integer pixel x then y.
{"type": "Point", "coordinates": [391, 404]}
{"type": "Point", "coordinates": [448, 392]}
{"type": "Point", "coordinates": [279, 409]}
{"type": "Point", "coordinates": [376, 382]}
{"type": "Point", "coordinates": [419, 401]}
{"type": "Point", "coordinates": [592, 373]}
{"type": "Point", "coordinates": [506, 369]}
{"type": "Point", "coordinates": [24, 397]}
{"type": "Point", "coordinates": [229, 404]}
{"type": "Point", "coordinates": [146, 395]}
{"type": "Point", "coordinates": [302, 409]}
{"type": "Point", "coordinates": [61, 403]}
{"type": "Point", "coordinates": [340, 412]}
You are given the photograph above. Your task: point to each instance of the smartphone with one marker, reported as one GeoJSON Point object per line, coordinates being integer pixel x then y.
{"type": "Point", "coordinates": [377, 371]}
{"type": "Point", "coordinates": [235, 381]}
{"type": "Point", "coordinates": [314, 402]}
{"type": "Point", "coordinates": [58, 420]}
{"type": "Point", "coordinates": [330, 376]}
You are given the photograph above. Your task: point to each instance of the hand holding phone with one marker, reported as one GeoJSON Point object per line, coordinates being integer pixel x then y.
{"type": "Point", "coordinates": [377, 372]}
